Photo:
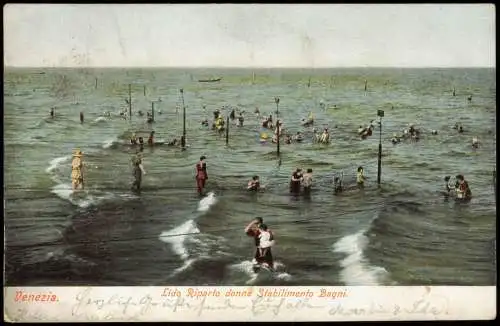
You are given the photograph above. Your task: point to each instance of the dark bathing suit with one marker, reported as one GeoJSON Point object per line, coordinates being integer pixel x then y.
{"type": "Point", "coordinates": [295, 185]}
{"type": "Point", "coordinates": [137, 174]}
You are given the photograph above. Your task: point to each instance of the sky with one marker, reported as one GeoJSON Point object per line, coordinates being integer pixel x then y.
{"type": "Point", "coordinates": [249, 35]}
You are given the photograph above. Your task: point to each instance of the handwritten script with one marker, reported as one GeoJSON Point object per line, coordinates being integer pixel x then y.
{"type": "Point", "coordinates": [89, 305]}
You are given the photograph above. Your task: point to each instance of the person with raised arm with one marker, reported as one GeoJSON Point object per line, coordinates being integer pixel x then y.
{"type": "Point", "coordinates": [253, 230]}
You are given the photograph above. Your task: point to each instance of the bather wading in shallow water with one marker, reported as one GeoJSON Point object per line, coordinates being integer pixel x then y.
{"type": "Point", "coordinates": [396, 139]}
{"type": "Point", "coordinates": [298, 137]}
{"type": "Point", "coordinates": [141, 144]}
{"type": "Point", "coordinates": [307, 182]}
{"type": "Point", "coordinates": [295, 181]}
{"type": "Point", "coordinates": [201, 174]}
{"type": "Point", "coordinates": [151, 139]}
{"type": "Point", "coordinates": [463, 192]}
{"type": "Point", "coordinates": [253, 229]}
{"type": "Point", "coordinates": [174, 142]}
{"type": "Point", "coordinates": [254, 184]}
{"type": "Point", "coordinates": [137, 171]}
{"type": "Point", "coordinates": [241, 120]}
{"type": "Point", "coordinates": [77, 170]}
{"type": "Point", "coordinates": [337, 184]}
{"type": "Point", "coordinates": [360, 177]}
{"type": "Point", "coordinates": [447, 188]}
{"type": "Point", "coordinates": [133, 139]}
{"type": "Point", "coordinates": [325, 137]}
{"type": "Point", "coordinates": [475, 143]}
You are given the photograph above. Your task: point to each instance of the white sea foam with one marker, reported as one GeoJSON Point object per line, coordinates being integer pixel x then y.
{"type": "Point", "coordinates": [108, 143]}
{"type": "Point", "coordinates": [246, 267]}
{"type": "Point", "coordinates": [355, 269]}
{"type": "Point", "coordinates": [54, 164]}
{"type": "Point", "coordinates": [186, 265]}
{"type": "Point", "coordinates": [207, 202]}
{"type": "Point", "coordinates": [65, 191]}
{"type": "Point", "coordinates": [179, 236]}
{"type": "Point", "coordinates": [101, 119]}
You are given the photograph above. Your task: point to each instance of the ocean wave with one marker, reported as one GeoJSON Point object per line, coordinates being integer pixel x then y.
{"type": "Point", "coordinates": [207, 202]}
{"type": "Point", "coordinates": [40, 123]}
{"type": "Point", "coordinates": [182, 236]}
{"type": "Point", "coordinates": [176, 237]}
{"type": "Point", "coordinates": [100, 120]}
{"type": "Point", "coordinates": [109, 143]}
{"type": "Point", "coordinates": [54, 164]}
{"type": "Point", "coordinates": [356, 270]}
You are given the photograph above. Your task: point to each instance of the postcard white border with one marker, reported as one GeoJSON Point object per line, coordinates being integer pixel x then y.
{"type": "Point", "coordinates": [252, 303]}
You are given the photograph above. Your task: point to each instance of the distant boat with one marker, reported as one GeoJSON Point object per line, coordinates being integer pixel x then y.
{"type": "Point", "coordinates": [209, 80]}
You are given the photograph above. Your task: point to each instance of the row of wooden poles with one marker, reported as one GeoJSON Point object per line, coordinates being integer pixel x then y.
{"type": "Point", "coordinates": [183, 138]}
{"type": "Point", "coordinates": [380, 114]}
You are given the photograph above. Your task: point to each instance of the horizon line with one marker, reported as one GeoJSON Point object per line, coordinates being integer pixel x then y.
{"type": "Point", "coordinates": [245, 67]}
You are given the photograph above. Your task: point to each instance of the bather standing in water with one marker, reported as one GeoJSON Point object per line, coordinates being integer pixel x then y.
{"type": "Point", "coordinates": [241, 119]}
{"type": "Point", "coordinates": [201, 174]}
{"type": "Point", "coordinates": [295, 181]}
{"type": "Point", "coordinates": [77, 170]}
{"type": "Point", "coordinates": [138, 171]}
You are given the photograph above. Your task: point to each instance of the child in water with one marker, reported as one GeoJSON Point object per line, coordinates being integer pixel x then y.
{"type": "Point", "coordinates": [265, 241]}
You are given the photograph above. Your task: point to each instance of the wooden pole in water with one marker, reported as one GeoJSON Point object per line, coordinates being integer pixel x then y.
{"type": "Point", "coordinates": [309, 82]}
{"type": "Point", "coordinates": [454, 91]}
{"type": "Point", "coordinates": [153, 111]}
{"type": "Point", "coordinates": [144, 90]}
{"type": "Point", "coordinates": [278, 126]}
{"type": "Point", "coordinates": [130, 101]}
{"type": "Point", "coordinates": [183, 139]}
{"type": "Point", "coordinates": [277, 101]}
{"type": "Point", "coordinates": [278, 132]}
{"type": "Point", "coordinates": [227, 130]}
{"type": "Point", "coordinates": [495, 184]}
{"type": "Point", "coordinates": [96, 83]}
{"type": "Point", "coordinates": [380, 113]}
{"type": "Point", "coordinates": [366, 85]}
